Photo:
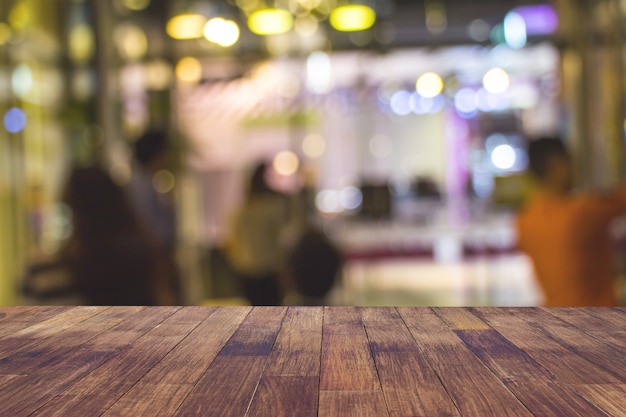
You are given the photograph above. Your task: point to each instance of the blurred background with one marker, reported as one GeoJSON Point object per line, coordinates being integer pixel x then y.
{"type": "Point", "coordinates": [404, 122]}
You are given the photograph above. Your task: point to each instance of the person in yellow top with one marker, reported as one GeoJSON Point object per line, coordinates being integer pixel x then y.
{"type": "Point", "coordinates": [567, 236]}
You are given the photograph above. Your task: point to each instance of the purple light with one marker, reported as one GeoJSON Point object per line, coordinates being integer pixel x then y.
{"type": "Point", "coordinates": [540, 19]}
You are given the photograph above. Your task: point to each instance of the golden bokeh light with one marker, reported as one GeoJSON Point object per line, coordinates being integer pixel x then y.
{"type": "Point", "coordinates": [270, 22]}
{"type": "Point", "coordinates": [5, 33]}
{"type": "Point", "coordinates": [189, 70]}
{"type": "Point", "coordinates": [352, 18]}
{"type": "Point", "coordinates": [186, 26]}
{"type": "Point", "coordinates": [286, 163]}
{"type": "Point", "coordinates": [81, 43]}
{"type": "Point", "coordinates": [314, 145]}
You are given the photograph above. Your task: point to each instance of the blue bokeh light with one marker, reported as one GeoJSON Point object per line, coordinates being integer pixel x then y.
{"type": "Point", "coordinates": [15, 120]}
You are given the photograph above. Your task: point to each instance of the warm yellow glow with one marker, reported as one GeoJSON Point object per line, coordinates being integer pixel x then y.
{"type": "Point", "coordinates": [496, 81]}
{"type": "Point", "coordinates": [81, 43]}
{"type": "Point", "coordinates": [5, 33]}
{"type": "Point", "coordinates": [136, 4]}
{"type": "Point", "coordinates": [306, 26]}
{"type": "Point", "coordinates": [270, 22]}
{"type": "Point", "coordinates": [189, 69]}
{"type": "Point", "coordinates": [186, 26]}
{"type": "Point", "coordinates": [429, 85]}
{"type": "Point", "coordinates": [223, 32]}
{"type": "Point", "coordinates": [158, 75]}
{"type": "Point", "coordinates": [20, 16]}
{"type": "Point", "coordinates": [286, 163]}
{"type": "Point", "coordinates": [352, 18]}
{"type": "Point", "coordinates": [131, 41]}
{"type": "Point", "coordinates": [314, 145]}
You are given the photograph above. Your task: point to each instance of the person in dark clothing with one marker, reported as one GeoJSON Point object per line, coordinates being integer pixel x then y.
{"type": "Point", "coordinates": [111, 256]}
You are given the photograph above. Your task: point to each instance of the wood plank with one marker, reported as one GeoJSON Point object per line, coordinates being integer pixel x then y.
{"type": "Point", "coordinates": [182, 366]}
{"type": "Point", "coordinates": [615, 339]}
{"type": "Point", "coordinates": [474, 388]}
{"type": "Point", "coordinates": [190, 359]}
{"type": "Point", "coordinates": [567, 366]}
{"type": "Point", "coordinates": [410, 386]}
{"type": "Point", "coordinates": [28, 318]}
{"type": "Point", "coordinates": [460, 319]}
{"type": "Point", "coordinates": [608, 357]}
{"type": "Point", "coordinates": [298, 347]}
{"type": "Point", "coordinates": [352, 404]}
{"type": "Point", "coordinates": [55, 347]}
{"type": "Point", "coordinates": [607, 397]}
{"type": "Point", "coordinates": [594, 319]}
{"type": "Point", "coordinates": [286, 396]}
{"type": "Point", "coordinates": [226, 388]}
{"type": "Point", "coordinates": [347, 364]}
{"type": "Point", "coordinates": [52, 379]}
{"type": "Point", "coordinates": [125, 370]}
{"type": "Point", "coordinates": [290, 383]}
{"type": "Point", "coordinates": [229, 383]}
{"type": "Point", "coordinates": [43, 330]}
{"type": "Point", "coordinates": [536, 387]}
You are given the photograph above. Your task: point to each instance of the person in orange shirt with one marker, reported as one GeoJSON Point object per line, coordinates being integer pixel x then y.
{"type": "Point", "coordinates": [567, 236]}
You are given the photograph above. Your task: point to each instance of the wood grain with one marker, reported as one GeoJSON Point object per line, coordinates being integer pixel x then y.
{"type": "Point", "coordinates": [459, 370]}
{"type": "Point", "coordinates": [311, 361]}
{"type": "Point", "coordinates": [347, 363]}
{"type": "Point", "coordinates": [410, 386]}
{"type": "Point", "coordinates": [352, 404]}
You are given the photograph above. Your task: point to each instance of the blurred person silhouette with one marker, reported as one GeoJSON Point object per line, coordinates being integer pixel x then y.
{"type": "Point", "coordinates": [566, 235]}
{"type": "Point", "coordinates": [152, 155]}
{"type": "Point", "coordinates": [256, 248]}
{"type": "Point", "coordinates": [313, 267]}
{"type": "Point", "coordinates": [111, 257]}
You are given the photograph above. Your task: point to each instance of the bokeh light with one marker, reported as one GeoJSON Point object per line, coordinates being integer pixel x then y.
{"type": "Point", "coordinates": [158, 75]}
{"type": "Point", "coordinates": [350, 198]}
{"type": "Point", "coordinates": [400, 103]}
{"type": "Point", "coordinates": [14, 120]}
{"type": "Point", "coordinates": [503, 156]}
{"type": "Point", "coordinates": [496, 81]}
{"type": "Point", "coordinates": [286, 163]}
{"type": "Point", "coordinates": [514, 30]}
{"type": "Point", "coordinates": [380, 146]}
{"type": "Point", "coordinates": [314, 145]}
{"type": "Point", "coordinates": [270, 22]}
{"type": "Point", "coordinates": [465, 101]}
{"type": "Point", "coordinates": [5, 33]}
{"type": "Point", "coordinates": [163, 181]}
{"type": "Point", "coordinates": [131, 41]}
{"type": "Point", "coordinates": [328, 201]}
{"type": "Point", "coordinates": [186, 26]}
{"type": "Point", "coordinates": [306, 26]}
{"type": "Point", "coordinates": [223, 32]}
{"type": "Point", "coordinates": [352, 18]}
{"type": "Point", "coordinates": [136, 4]}
{"type": "Point", "coordinates": [81, 43]}
{"type": "Point", "coordinates": [429, 84]}
{"type": "Point", "coordinates": [319, 73]}
{"type": "Point", "coordinates": [189, 70]}
{"type": "Point", "coordinates": [479, 30]}
{"type": "Point", "coordinates": [22, 80]}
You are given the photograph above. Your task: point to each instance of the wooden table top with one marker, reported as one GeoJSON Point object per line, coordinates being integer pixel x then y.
{"type": "Point", "coordinates": [312, 361]}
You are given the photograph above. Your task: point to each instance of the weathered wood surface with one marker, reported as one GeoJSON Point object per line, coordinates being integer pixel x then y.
{"type": "Point", "coordinates": [312, 361]}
